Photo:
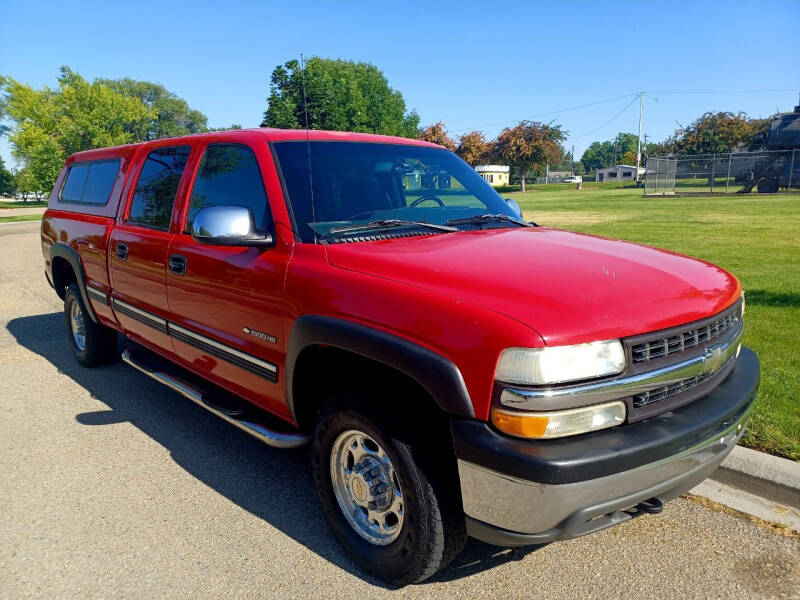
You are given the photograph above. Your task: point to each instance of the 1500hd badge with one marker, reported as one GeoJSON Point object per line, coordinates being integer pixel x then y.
{"type": "Point", "coordinates": [260, 335]}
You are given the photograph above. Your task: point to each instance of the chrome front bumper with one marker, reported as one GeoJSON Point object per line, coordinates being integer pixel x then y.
{"type": "Point", "coordinates": [509, 510]}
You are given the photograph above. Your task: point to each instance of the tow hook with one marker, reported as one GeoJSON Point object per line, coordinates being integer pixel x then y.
{"type": "Point", "coordinates": [653, 506]}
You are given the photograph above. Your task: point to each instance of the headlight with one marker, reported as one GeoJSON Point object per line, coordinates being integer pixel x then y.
{"type": "Point", "coordinates": [557, 364]}
{"type": "Point", "coordinates": [558, 423]}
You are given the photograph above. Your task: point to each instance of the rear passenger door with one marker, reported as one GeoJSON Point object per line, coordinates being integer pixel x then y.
{"type": "Point", "coordinates": [227, 302]}
{"type": "Point", "coordinates": [139, 244]}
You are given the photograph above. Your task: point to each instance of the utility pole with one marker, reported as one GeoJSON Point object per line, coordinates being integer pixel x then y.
{"type": "Point", "coordinates": [572, 160]}
{"type": "Point", "coordinates": [639, 143]}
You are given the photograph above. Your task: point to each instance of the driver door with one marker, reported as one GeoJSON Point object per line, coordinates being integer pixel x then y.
{"type": "Point", "coordinates": [227, 302]}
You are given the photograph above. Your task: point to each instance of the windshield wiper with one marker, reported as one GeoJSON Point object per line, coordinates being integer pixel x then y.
{"type": "Point", "coordinates": [489, 218]}
{"type": "Point", "coordinates": [387, 224]}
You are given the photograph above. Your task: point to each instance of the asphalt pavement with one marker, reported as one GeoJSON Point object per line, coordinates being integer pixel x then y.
{"type": "Point", "coordinates": [112, 486]}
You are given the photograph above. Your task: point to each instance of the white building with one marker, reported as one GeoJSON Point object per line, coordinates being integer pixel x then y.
{"type": "Point", "coordinates": [496, 175]}
{"type": "Point", "coordinates": [618, 173]}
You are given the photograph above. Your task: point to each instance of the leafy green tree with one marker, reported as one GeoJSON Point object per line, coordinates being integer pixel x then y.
{"type": "Point", "coordinates": [47, 125]}
{"type": "Point", "coordinates": [714, 133]}
{"type": "Point", "coordinates": [437, 134]}
{"type": "Point", "coordinates": [529, 145]}
{"type": "Point", "coordinates": [173, 115]}
{"type": "Point", "coordinates": [340, 95]}
{"type": "Point", "coordinates": [620, 150]}
{"type": "Point", "coordinates": [6, 180]}
{"type": "Point", "coordinates": [598, 155]}
{"type": "Point", "coordinates": [25, 183]}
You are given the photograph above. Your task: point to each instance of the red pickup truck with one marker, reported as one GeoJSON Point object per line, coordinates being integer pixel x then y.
{"type": "Point", "coordinates": [457, 370]}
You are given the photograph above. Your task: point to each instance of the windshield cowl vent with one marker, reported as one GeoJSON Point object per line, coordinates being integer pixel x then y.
{"type": "Point", "coordinates": [372, 237]}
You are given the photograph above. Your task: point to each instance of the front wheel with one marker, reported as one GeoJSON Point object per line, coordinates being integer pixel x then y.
{"type": "Point", "coordinates": [389, 506]}
{"type": "Point", "coordinates": [91, 343]}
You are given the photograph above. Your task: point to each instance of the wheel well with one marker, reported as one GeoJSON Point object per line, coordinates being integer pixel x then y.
{"type": "Point", "coordinates": [322, 372]}
{"type": "Point", "coordinates": [63, 275]}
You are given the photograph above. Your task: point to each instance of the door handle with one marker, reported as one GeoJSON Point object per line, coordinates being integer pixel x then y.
{"type": "Point", "coordinates": [177, 264]}
{"type": "Point", "coordinates": [122, 251]}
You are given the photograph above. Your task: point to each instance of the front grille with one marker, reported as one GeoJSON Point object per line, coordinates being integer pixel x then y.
{"type": "Point", "coordinates": [684, 340]}
{"type": "Point", "coordinates": [667, 391]}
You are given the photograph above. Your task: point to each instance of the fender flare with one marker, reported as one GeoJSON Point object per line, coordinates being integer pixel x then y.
{"type": "Point", "coordinates": [439, 376]}
{"type": "Point", "coordinates": [71, 256]}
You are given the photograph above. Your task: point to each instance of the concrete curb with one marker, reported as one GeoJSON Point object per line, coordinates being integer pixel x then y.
{"type": "Point", "coordinates": [760, 484]}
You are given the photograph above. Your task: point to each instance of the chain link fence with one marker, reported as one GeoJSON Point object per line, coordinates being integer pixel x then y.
{"type": "Point", "coordinates": [767, 171]}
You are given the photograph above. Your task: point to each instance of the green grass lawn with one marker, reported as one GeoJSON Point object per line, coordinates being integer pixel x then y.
{"type": "Point", "coordinates": [17, 218]}
{"type": "Point", "coordinates": [28, 204]}
{"type": "Point", "coordinates": [756, 237]}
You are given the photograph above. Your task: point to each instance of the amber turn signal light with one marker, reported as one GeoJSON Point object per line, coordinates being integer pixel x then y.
{"type": "Point", "coordinates": [558, 423]}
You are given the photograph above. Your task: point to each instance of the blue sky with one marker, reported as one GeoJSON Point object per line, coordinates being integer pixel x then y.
{"type": "Point", "coordinates": [469, 64]}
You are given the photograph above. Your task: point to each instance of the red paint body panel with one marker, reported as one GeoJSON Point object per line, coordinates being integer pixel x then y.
{"type": "Point", "coordinates": [570, 287]}
{"type": "Point", "coordinates": [465, 295]}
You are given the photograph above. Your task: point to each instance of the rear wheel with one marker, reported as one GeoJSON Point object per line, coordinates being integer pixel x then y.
{"type": "Point", "coordinates": [386, 497]}
{"type": "Point", "coordinates": [91, 343]}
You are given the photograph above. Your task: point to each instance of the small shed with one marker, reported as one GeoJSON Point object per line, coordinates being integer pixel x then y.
{"type": "Point", "coordinates": [618, 173]}
{"type": "Point", "coordinates": [495, 175]}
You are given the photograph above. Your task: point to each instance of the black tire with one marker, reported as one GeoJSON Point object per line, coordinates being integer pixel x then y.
{"type": "Point", "coordinates": [100, 343]}
{"type": "Point", "coordinates": [433, 531]}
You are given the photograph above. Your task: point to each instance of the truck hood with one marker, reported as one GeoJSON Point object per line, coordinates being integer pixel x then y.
{"type": "Point", "coordinates": [569, 287]}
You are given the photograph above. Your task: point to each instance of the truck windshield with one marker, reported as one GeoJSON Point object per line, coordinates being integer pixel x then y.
{"type": "Point", "coordinates": [358, 183]}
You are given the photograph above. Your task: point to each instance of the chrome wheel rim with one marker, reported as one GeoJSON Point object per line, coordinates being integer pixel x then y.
{"type": "Point", "coordinates": [77, 324]}
{"type": "Point", "coordinates": [367, 487]}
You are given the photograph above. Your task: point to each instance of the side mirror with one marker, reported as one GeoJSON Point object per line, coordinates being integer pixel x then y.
{"type": "Point", "coordinates": [514, 206]}
{"type": "Point", "coordinates": [228, 226]}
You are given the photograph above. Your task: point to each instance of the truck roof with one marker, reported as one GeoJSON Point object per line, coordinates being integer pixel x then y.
{"type": "Point", "coordinates": [272, 135]}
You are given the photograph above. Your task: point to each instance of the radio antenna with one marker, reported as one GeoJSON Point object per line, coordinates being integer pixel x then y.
{"type": "Point", "coordinates": [308, 144]}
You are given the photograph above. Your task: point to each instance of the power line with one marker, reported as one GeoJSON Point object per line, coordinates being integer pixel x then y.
{"type": "Point", "coordinates": [727, 91]}
{"type": "Point", "coordinates": [634, 96]}
{"type": "Point", "coordinates": [544, 114]}
{"type": "Point", "coordinates": [611, 120]}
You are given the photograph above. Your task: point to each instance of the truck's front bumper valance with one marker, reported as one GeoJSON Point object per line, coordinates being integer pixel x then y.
{"type": "Point", "coordinates": [518, 492]}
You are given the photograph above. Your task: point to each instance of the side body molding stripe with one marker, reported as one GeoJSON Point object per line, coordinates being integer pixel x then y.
{"type": "Point", "coordinates": [97, 295]}
{"type": "Point", "coordinates": [435, 373]}
{"type": "Point", "coordinates": [260, 367]}
{"type": "Point", "coordinates": [140, 315]}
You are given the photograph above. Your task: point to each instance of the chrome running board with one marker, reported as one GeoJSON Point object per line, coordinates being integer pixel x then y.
{"type": "Point", "coordinates": [271, 437]}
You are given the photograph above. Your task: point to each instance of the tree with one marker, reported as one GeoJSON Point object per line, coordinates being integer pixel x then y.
{"type": "Point", "coordinates": [172, 115]}
{"type": "Point", "coordinates": [620, 150]}
{"type": "Point", "coordinates": [629, 158]}
{"type": "Point", "coordinates": [529, 144]}
{"type": "Point", "coordinates": [714, 133]}
{"type": "Point", "coordinates": [24, 183]}
{"type": "Point", "coordinates": [437, 134]}
{"type": "Point", "coordinates": [598, 155]}
{"type": "Point", "coordinates": [50, 124]}
{"type": "Point", "coordinates": [7, 185]}
{"type": "Point", "coordinates": [473, 148]}
{"type": "Point", "coordinates": [340, 95]}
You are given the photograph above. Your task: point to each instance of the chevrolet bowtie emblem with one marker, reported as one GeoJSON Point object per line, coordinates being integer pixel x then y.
{"type": "Point", "coordinates": [714, 358]}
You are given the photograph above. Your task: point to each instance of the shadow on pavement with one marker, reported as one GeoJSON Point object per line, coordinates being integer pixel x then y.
{"type": "Point", "coordinates": [275, 485]}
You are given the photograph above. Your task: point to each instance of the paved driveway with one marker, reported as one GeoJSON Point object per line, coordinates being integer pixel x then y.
{"type": "Point", "coordinates": [22, 211]}
{"type": "Point", "coordinates": [112, 486]}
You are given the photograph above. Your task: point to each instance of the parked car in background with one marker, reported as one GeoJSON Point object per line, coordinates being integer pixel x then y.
{"type": "Point", "coordinates": [455, 369]}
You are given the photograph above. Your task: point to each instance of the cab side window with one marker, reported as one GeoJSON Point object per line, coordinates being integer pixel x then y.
{"type": "Point", "coordinates": [157, 186]}
{"type": "Point", "coordinates": [90, 183]}
{"type": "Point", "coordinates": [229, 176]}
